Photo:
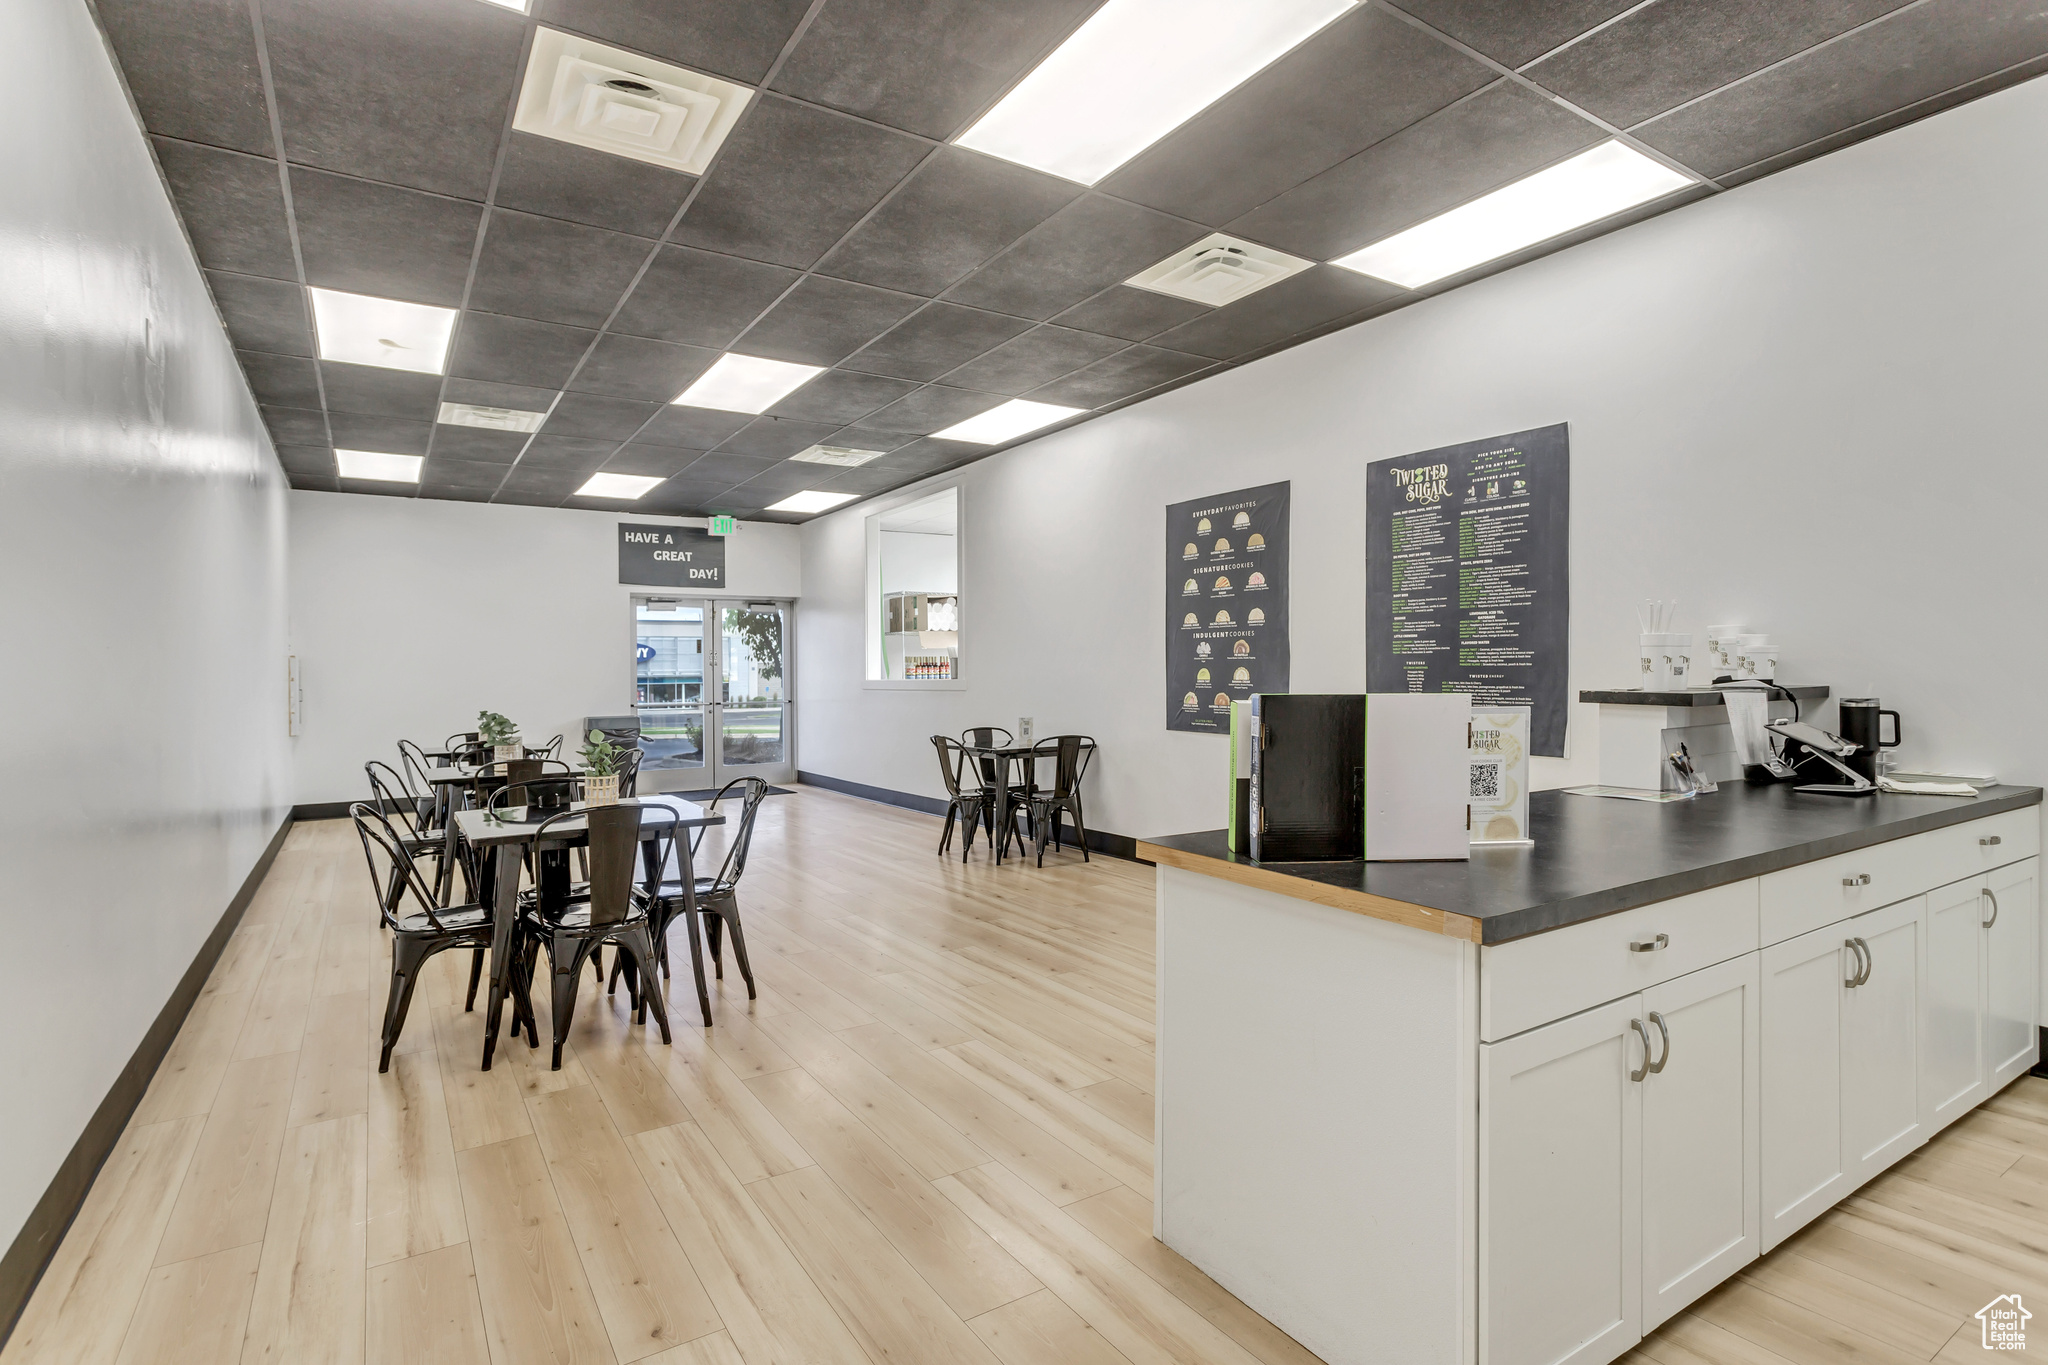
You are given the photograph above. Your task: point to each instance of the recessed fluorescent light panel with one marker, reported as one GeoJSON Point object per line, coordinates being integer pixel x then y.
{"type": "Point", "coordinates": [619, 102]}
{"type": "Point", "coordinates": [375, 464]}
{"type": "Point", "coordinates": [617, 485]}
{"type": "Point", "coordinates": [519, 5]}
{"type": "Point", "coordinates": [1593, 185]}
{"type": "Point", "coordinates": [491, 419]}
{"type": "Point", "coordinates": [1219, 270]}
{"type": "Point", "coordinates": [843, 456]}
{"type": "Point", "coordinates": [1006, 423]}
{"type": "Point", "coordinates": [746, 383]}
{"type": "Point", "coordinates": [370, 331]}
{"type": "Point", "coordinates": [1133, 73]}
{"type": "Point", "coordinates": [811, 500]}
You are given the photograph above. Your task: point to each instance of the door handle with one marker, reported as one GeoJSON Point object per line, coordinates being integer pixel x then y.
{"type": "Point", "coordinates": [1665, 1034]}
{"type": "Point", "coordinates": [1861, 973]}
{"type": "Point", "coordinates": [1644, 1033]}
{"type": "Point", "coordinates": [1991, 896]}
{"type": "Point", "coordinates": [1860, 879]}
{"type": "Point", "coordinates": [1650, 945]}
{"type": "Point", "coordinates": [1992, 842]}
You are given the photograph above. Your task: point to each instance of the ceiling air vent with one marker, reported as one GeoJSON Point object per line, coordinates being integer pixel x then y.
{"type": "Point", "coordinates": [1219, 270]}
{"type": "Point", "coordinates": [601, 97]}
{"type": "Point", "coordinates": [491, 419]}
{"type": "Point", "coordinates": [839, 455]}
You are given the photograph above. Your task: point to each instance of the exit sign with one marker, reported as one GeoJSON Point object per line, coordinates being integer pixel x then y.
{"type": "Point", "coordinates": [721, 525]}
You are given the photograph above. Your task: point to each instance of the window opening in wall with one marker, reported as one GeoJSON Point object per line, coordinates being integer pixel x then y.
{"type": "Point", "coordinates": [914, 591]}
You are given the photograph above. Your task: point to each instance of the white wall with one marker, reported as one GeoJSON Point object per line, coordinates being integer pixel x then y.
{"type": "Point", "coordinates": [1814, 405]}
{"type": "Point", "coordinates": [411, 615]}
{"type": "Point", "coordinates": [142, 528]}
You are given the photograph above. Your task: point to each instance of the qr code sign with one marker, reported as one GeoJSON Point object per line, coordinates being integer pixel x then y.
{"type": "Point", "coordinates": [1485, 782]}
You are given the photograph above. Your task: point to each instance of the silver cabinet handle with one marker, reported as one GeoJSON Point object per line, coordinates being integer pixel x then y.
{"type": "Point", "coordinates": [1992, 842]}
{"type": "Point", "coordinates": [1650, 945]}
{"type": "Point", "coordinates": [1989, 895]}
{"type": "Point", "coordinates": [1644, 1069]}
{"type": "Point", "coordinates": [1663, 1032]}
{"type": "Point", "coordinates": [1860, 879]}
{"type": "Point", "coordinates": [1860, 973]}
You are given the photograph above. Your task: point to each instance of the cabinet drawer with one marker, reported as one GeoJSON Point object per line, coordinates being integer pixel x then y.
{"type": "Point", "coordinates": [1800, 899]}
{"type": "Point", "coordinates": [1543, 977]}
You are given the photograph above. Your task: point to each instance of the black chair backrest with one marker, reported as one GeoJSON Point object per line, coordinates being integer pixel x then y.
{"type": "Point", "coordinates": [615, 835]}
{"type": "Point", "coordinates": [387, 792]}
{"type": "Point", "coordinates": [984, 737]}
{"type": "Point", "coordinates": [951, 757]}
{"type": "Point", "coordinates": [412, 766]}
{"type": "Point", "coordinates": [470, 753]}
{"type": "Point", "coordinates": [382, 842]}
{"type": "Point", "coordinates": [629, 772]}
{"type": "Point", "coordinates": [1071, 754]}
{"type": "Point", "coordinates": [736, 854]}
{"type": "Point", "coordinates": [529, 782]}
{"type": "Point", "coordinates": [460, 739]}
{"type": "Point", "coordinates": [551, 749]}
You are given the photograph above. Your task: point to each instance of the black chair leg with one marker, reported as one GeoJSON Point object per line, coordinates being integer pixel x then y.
{"type": "Point", "coordinates": [407, 955]}
{"type": "Point", "coordinates": [946, 834]}
{"type": "Point", "coordinates": [565, 976]}
{"type": "Point", "coordinates": [1080, 833]}
{"type": "Point", "coordinates": [635, 942]}
{"type": "Point", "coordinates": [739, 951]}
{"type": "Point", "coordinates": [697, 967]}
{"type": "Point", "coordinates": [476, 974]}
{"type": "Point", "coordinates": [714, 930]}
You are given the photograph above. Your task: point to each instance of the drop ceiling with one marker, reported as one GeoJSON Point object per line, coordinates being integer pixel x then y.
{"type": "Point", "coordinates": [368, 146]}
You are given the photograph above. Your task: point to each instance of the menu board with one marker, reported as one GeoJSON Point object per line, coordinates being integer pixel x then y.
{"type": "Point", "coordinates": [1226, 604]}
{"type": "Point", "coordinates": [1467, 575]}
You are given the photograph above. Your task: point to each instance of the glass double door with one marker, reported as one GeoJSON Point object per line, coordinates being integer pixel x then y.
{"type": "Point", "coordinates": [711, 689]}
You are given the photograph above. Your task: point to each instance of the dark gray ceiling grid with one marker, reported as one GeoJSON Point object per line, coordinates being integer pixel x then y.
{"type": "Point", "coordinates": [368, 147]}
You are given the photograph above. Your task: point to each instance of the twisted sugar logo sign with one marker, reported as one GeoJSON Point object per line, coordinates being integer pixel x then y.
{"type": "Point", "coordinates": [2005, 1323]}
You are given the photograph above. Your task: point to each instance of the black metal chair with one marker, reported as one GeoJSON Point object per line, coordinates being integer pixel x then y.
{"type": "Point", "coordinates": [965, 803]}
{"type": "Point", "coordinates": [412, 766]}
{"type": "Point", "coordinates": [419, 935]}
{"type": "Point", "coordinates": [389, 797]}
{"type": "Point", "coordinates": [551, 749]}
{"type": "Point", "coordinates": [1071, 755]}
{"type": "Point", "coordinates": [990, 769]}
{"type": "Point", "coordinates": [717, 898]}
{"type": "Point", "coordinates": [612, 910]}
{"type": "Point", "coordinates": [629, 772]}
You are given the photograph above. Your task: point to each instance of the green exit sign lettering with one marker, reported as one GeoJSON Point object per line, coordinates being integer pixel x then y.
{"type": "Point", "coordinates": [721, 525]}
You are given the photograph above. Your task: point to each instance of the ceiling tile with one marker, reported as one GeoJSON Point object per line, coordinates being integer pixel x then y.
{"type": "Point", "coordinates": [701, 297]}
{"type": "Point", "coordinates": [840, 396]}
{"type": "Point", "coordinates": [929, 409]}
{"type": "Point", "coordinates": [1133, 314]}
{"type": "Point", "coordinates": [232, 205]}
{"type": "Point", "coordinates": [1039, 356]}
{"type": "Point", "coordinates": [634, 367]}
{"type": "Point", "coordinates": [191, 65]}
{"type": "Point", "coordinates": [589, 414]}
{"type": "Point", "coordinates": [379, 392]}
{"type": "Point", "coordinates": [779, 481]}
{"type": "Point", "coordinates": [791, 180]}
{"type": "Point", "coordinates": [381, 488]}
{"type": "Point", "coordinates": [316, 460]}
{"type": "Point", "coordinates": [691, 428]}
{"type": "Point", "coordinates": [726, 469]}
{"type": "Point", "coordinates": [1497, 136]}
{"type": "Point", "coordinates": [283, 381]}
{"type": "Point", "coordinates": [295, 427]}
{"type": "Point", "coordinates": [560, 454]}
{"type": "Point", "coordinates": [445, 493]}
{"type": "Point", "coordinates": [1094, 242]}
{"type": "Point", "coordinates": [867, 481]}
{"type": "Point", "coordinates": [777, 438]}
{"type": "Point", "coordinates": [485, 394]}
{"type": "Point", "coordinates": [412, 92]}
{"type": "Point", "coordinates": [956, 211]}
{"type": "Point", "coordinates": [544, 268]}
{"type": "Point", "coordinates": [313, 483]}
{"type": "Point", "coordinates": [1362, 79]}
{"type": "Point", "coordinates": [941, 337]}
{"type": "Point", "coordinates": [1514, 33]}
{"type": "Point", "coordinates": [738, 41]}
{"type": "Point", "coordinates": [854, 56]}
{"type": "Point", "coordinates": [1317, 295]}
{"type": "Point", "coordinates": [679, 498]}
{"type": "Point", "coordinates": [822, 321]}
{"type": "Point", "coordinates": [378, 239]}
{"type": "Point", "coordinates": [559, 179]}
{"type": "Point", "coordinates": [263, 315]}
{"type": "Point", "coordinates": [478, 444]}
{"type": "Point", "coordinates": [516, 350]}
{"type": "Point", "coordinates": [392, 435]}
{"type": "Point", "coordinates": [529, 497]}
{"type": "Point", "coordinates": [919, 457]}
{"type": "Point", "coordinates": [1667, 53]}
{"type": "Point", "coordinates": [653, 461]}
{"type": "Point", "coordinates": [442, 472]}
{"type": "Point", "coordinates": [1121, 376]}
{"type": "Point", "coordinates": [1913, 55]}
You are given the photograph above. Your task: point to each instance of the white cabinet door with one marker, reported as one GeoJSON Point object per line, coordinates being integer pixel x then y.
{"type": "Point", "coordinates": [1881, 1119]}
{"type": "Point", "coordinates": [2011, 961]}
{"type": "Point", "coordinates": [1801, 1163]}
{"type": "Point", "coordinates": [1560, 1187]}
{"type": "Point", "coordinates": [1700, 1210]}
{"type": "Point", "coordinates": [1952, 1067]}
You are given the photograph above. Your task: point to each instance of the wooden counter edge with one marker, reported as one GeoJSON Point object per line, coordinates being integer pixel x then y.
{"type": "Point", "coordinates": [1336, 897]}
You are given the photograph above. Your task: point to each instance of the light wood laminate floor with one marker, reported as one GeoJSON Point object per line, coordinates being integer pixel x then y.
{"type": "Point", "coordinates": [929, 1140]}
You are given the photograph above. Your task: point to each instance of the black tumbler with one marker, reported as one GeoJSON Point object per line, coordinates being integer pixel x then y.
{"type": "Point", "coordinates": [1862, 721]}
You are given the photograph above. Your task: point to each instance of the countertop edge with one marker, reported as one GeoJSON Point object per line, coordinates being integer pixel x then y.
{"type": "Point", "coordinates": [1336, 897]}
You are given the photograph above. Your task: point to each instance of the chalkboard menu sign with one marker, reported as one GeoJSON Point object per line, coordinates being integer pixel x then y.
{"type": "Point", "coordinates": [1226, 604]}
{"type": "Point", "coordinates": [1466, 572]}
{"type": "Point", "coordinates": [670, 556]}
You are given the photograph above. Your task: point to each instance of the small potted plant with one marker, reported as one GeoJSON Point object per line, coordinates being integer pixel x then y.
{"type": "Point", "coordinates": [601, 770]}
{"type": "Point", "coordinates": [501, 734]}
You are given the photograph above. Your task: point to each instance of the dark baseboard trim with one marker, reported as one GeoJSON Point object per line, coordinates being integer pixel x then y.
{"type": "Point", "coordinates": [323, 810]}
{"type": "Point", "coordinates": [1115, 845]}
{"type": "Point", "coordinates": [24, 1262]}
{"type": "Point", "coordinates": [2040, 1068]}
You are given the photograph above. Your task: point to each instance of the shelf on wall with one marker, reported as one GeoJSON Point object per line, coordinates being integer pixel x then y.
{"type": "Point", "coordinates": [1690, 696]}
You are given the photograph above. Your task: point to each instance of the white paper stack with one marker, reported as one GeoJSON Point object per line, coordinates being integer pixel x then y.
{"type": "Point", "coordinates": [1417, 770]}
